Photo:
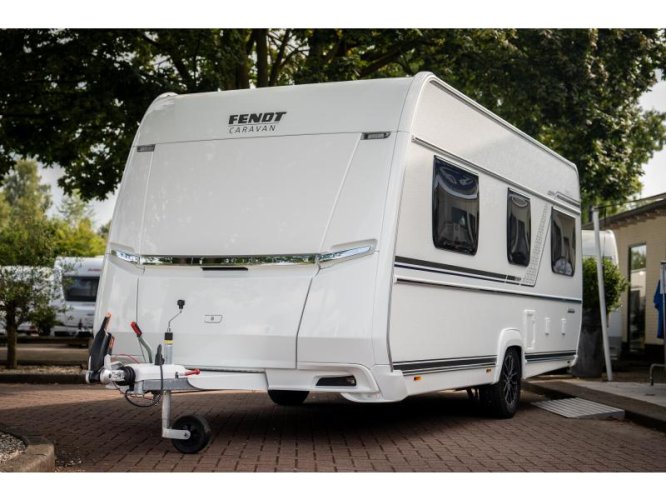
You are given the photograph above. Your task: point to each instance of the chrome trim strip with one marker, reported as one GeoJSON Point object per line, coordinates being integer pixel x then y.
{"type": "Point", "coordinates": [447, 156]}
{"type": "Point", "coordinates": [413, 281]}
{"type": "Point", "coordinates": [537, 357]}
{"type": "Point", "coordinates": [245, 261]}
{"type": "Point", "coordinates": [231, 261]}
{"type": "Point", "coordinates": [445, 365]}
{"type": "Point", "coordinates": [448, 369]}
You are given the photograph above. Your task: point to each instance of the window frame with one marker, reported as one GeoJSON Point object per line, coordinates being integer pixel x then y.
{"type": "Point", "coordinates": [573, 260]}
{"type": "Point", "coordinates": [435, 204]}
{"type": "Point", "coordinates": [508, 227]}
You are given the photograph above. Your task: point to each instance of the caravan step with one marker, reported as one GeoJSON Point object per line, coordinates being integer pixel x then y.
{"type": "Point", "coordinates": [580, 408]}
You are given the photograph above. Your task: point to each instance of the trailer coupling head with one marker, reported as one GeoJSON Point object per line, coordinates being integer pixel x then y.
{"type": "Point", "coordinates": [100, 368]}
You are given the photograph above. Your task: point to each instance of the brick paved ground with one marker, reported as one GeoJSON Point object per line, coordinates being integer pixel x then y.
{"type": "Point", "coordinates": [96, 430]}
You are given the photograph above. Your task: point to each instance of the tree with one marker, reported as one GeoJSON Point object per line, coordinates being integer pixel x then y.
{"type": "Point", "coordinates": [590, 344]}
{"type": "Point", "coordinates": [74, 232]}
{"type": "Point", "coordinates": [103, 231]}
{"type": "Point", "coordinates": [26, 252]}
{"type": "Point", "coordinates": [75, 97]}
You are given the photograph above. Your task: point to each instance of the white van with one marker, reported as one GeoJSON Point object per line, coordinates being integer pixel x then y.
{"type": "Point", "coordinates": [75, 301]}
{"type": "Point", "coordinates": [376, 239]}
{"type": "Point", "coordinates": [609, 251]}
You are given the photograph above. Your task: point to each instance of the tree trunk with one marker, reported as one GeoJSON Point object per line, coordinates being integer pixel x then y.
{"type": "Point", "coordinates": [590, 347]}
{"type": "Point", "coordinates": [260, 36]}
{"type": "Point", "coordinates": [12, 340]}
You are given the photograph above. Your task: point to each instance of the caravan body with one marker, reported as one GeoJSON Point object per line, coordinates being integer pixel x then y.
{"type": "Point", "coordinates": [373, 238]}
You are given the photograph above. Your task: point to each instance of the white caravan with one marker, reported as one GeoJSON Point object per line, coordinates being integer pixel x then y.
{"type": "Point", "coordinates": [609, 251]}
{"type": "Point", "coordinates": [75, 301]}
{"type": "Point", "coordinates": [376, 239]}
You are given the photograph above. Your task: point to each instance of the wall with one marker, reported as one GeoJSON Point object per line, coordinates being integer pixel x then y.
{"type": "Point", "coordinates": [652, 232]}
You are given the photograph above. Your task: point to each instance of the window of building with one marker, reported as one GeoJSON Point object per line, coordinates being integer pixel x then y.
{"type": "Point", "coordinates": [518, 231]}
{"type": "Point", "coordinates": [562, 243]}
{"type": "Point", "coordinates": [455, 208]}
{"type": "Point", "coordinates": [637, 295]}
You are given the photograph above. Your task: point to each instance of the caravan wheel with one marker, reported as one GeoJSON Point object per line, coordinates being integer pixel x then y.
{"type": "Point", "coordinates": [288, 398]}
{"type": "Point", "coordinates": [501, 399]}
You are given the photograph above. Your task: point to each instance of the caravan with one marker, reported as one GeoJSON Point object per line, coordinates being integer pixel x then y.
{"type": "Point", "coordinates": [377, 239]}
{"type": "Point", "coordinates": [78, 279]}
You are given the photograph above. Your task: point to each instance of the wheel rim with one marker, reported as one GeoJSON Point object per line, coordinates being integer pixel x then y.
{"type": "Point", "coordinates": [510, 380]}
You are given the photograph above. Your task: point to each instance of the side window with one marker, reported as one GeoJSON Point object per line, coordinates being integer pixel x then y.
{"type": "Point", "coordinates": [455, 208]}
{"type": "Point", "coordinates": [562, 243]}
{"type": "Point", "coordinates": [518, 229]}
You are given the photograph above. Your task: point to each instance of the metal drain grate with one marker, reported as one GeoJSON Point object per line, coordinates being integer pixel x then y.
{"type": "Point", "coordinates": [580, 408]}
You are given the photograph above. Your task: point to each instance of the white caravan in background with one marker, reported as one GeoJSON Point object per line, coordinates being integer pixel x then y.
{"type": "Point", "coordinates": [376, 239]}
{"type": "Point", "coordinates": [75, 301]}
{"type": "Point", "coordinates": [609, 251]}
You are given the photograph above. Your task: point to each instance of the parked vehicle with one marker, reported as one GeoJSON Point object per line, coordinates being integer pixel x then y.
{"type": "Point", "coordinates": [377, 239]}
{"type": "Point", "coordinates": [609, 251]}
{"type": "Point", "coordinates": [75, 303]}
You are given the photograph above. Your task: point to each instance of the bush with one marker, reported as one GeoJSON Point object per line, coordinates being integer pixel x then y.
{"type": "Point", "coordinates": [614, 284]}
{"type": "Point", "coordinates": [44, 319]}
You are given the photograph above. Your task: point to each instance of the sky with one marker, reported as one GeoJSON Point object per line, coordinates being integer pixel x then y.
{"type": "Point", "coordinates": [653, 180]}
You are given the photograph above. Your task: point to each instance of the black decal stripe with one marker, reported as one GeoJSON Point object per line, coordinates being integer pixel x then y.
{"type": "Point", "coordinates": [488, 290]}
{"type": "Point", "coordinates": [549, 356]}
{"type": "Point", "coordinates": [437, 267]}
{"type": "Point", "coordinates": [448, 364]}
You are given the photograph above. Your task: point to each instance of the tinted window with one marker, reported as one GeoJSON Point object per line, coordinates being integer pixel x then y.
{"type": "Point", "coordinates": [80, 289]}
{"type": "Point", "coordinates": [562, 243]}
{"type": "Point", "coordinates": [455, 208]}
{"type": "Point", "coordinates": [518, 229]}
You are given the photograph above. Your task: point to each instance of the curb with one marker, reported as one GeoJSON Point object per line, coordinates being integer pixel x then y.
{"type": "Point", "coordinates": [39, 454]}
{"type": "Point", "coordinates": [42, 378]}
{"type": "Point", "coordinates": [639, 412]}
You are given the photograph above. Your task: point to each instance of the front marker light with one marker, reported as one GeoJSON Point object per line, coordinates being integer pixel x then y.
{"type": "Point", "coordinates": [126, 256]}
{"type": "Point", "coordinates": [329, 259]}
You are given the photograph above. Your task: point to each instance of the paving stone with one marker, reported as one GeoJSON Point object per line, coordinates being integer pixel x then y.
{"type": "Point", "coordinates": [97, 431]}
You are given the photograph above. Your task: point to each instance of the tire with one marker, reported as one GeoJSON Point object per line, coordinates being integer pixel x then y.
{"type": "Point", "coordinates": [199, 434]}
{"type": "Point", "coordinates": [288, 398]}
{"type": "Point", "coordinates": [501, 400]}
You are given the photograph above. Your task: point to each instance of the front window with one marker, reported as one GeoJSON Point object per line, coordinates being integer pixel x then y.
{"type": "Point", "coordinates": [455, 208]}
{"type": "Point", "coordinates": [80, 289]}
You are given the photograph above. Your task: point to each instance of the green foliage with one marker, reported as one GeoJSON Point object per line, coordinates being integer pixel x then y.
{"type": "Point", "coordinates": [44, 319]}
{"type": "Point", "coordinates": [29, 244]}
{"type": "Point", "coordinates": [79, 240]}
{"type": "Point", "coordinates": [614, 285]}
{"type": "Point", "coordinates": [74, 233]}
{"type": "Point", "coordinates": [24, 193]}
{"type": "Point", "coordinates": [74, 209]}
{"type": "Point", "coordinates": [75, 97]}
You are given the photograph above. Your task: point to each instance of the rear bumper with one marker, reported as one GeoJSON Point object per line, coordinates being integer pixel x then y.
{"type": "Point", "coordinates": [377, 385]}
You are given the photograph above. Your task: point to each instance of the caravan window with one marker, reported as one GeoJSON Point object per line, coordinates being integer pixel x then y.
{"type": "Point", "coordinates": [80, 288]}
{"type": "Point", "coordinates": [562, 243]}
{"type": "Point", "coordinates": [455, 208]}
{"type": "Point", "coordinates": [518, 234]}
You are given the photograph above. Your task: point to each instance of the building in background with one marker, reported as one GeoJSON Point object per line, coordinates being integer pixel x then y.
{"type": "Point", "coordinates": [640, 233]}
